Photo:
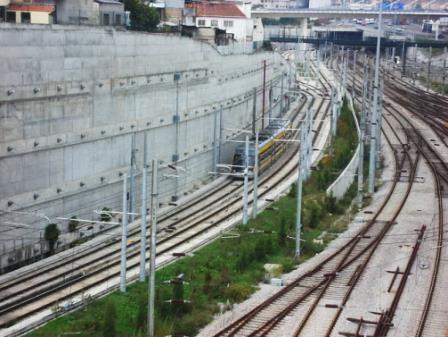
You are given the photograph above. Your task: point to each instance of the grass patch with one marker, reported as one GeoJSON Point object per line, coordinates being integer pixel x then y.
{"type": "Point", "coordinates": [228, 269]}
{"type": "Point", "coordinates": [435, 85]}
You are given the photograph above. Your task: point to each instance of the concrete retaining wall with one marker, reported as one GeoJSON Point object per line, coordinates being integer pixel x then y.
{"type": "Point", "coordinates": [71, 99]}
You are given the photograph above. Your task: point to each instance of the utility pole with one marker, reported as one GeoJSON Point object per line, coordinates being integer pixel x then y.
{"type": "Point", "coordinates": [124, 235]}
{"type": "Point", "coordinates": [299, 192]}
{"type": "Point", "coordinates": [246, 180]}
{"type": "Point", "coordinates": [372, 158]}
{"type": "Point", "coordinates": [152, 257]}
{"type": "Point", "coordinates": [143, 224]}
{"type": "Point", "coordinates": [255, 198]}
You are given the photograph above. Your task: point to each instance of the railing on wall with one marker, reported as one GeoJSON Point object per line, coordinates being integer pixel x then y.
{"type": "Point", "coordinates": [238, 48]}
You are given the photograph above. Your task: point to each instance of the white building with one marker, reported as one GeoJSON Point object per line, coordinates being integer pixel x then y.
{"type": "Point", "coordinates": [232, 17]}
{"type": "Point", "coordinates": [320, 3]}
{"type": "Point", "coordinates": [275, 4]}
{"type": "Point", "coordinates": [30, 11]}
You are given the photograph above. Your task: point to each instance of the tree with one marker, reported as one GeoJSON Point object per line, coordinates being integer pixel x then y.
{"type": "Point", "coordinates": [143, 17]}
{"type": "Point", "coordinates": [110, 317]}
{"type": "Point", "coordinates": [73, 224]}
{"type": "Point", "coordinates": [51, 235]}
{"type": "Point", "coordinates": [105, 216]}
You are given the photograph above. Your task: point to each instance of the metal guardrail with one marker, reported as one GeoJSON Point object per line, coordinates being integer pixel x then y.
{"type": "Point", "coordinates": [360, 43]}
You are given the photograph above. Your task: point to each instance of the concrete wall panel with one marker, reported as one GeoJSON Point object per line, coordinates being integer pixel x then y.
{"type": "Point", "coordinates": [71, 98]}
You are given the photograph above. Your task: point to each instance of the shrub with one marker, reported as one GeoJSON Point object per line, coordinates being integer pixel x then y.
{"type": "Point", "coordinates": [51, 235]}
{"type": "Point", "coordinates": [73, 224]}
{"type": "Point", "coordinates": [330, 203]}
{"type": "Point", "coordinates": [237, 292]}
{"type": "Point", "coordinates": [105, 217]}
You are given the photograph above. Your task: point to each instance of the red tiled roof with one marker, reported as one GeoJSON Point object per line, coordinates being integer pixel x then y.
{"type": "Point", "coordinates": [31, 8]}
{"type": "Point", "coordinates": [216, 9]}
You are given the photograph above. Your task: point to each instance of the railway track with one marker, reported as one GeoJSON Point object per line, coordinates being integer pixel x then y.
{"type": "Point", "coordinates": [58, 282]}
{"type": "Point", "coordinates": [331, 283]}
{"type": "Point", "coordinates": [426, 108]}
{"type": "Point", "coordinates": [300, 299]}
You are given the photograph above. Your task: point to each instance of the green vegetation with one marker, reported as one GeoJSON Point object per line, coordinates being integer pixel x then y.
{"type": "Point", "coordinates": [228, 269]}
{"type": "Point", "coordinates": [143, 17]}
{"type": "Point", "coordinates": [435, 85]}
{"type": "Point", "coordinates": [51, 236]}
{"type": "Point", "coordinates": [73, 224]}
{"type": "Point", "coordinates": [105, 216]}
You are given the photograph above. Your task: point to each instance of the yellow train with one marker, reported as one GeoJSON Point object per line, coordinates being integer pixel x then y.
{"type": "Point", "coordinates": [270, 147]}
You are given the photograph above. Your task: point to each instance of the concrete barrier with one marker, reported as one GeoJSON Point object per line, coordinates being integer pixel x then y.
{"type": "Point", "coordinates": [346, 178]}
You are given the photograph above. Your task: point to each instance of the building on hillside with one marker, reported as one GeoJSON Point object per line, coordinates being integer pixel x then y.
{"type": "Point", "coordinates": [222, 21]}
{"type": "Point", "coordinates": [320, 4]}
{"type": "Point", "coordinates": [170, 11]}
{"type": "Point", "coordinates": [77, 12]}
{"type": "Point", "coordinates": [30, 11]}
{"type": "Point", "coordinates": [90, 12]}
{"type": "Point", "coordinates": [111, 13]}
{"type": "Point", "coordinates": [3, 5]}
{"type": "Point", "coordinates": [275, 4]}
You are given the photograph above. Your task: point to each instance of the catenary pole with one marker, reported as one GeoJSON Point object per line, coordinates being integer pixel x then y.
{"type": "Point", "coordinates": [255, 198]}
{"type": "Point", "coordinates": [152, 259]}
{"type": "Point", "coordinates": [299, 192]}
{"type": "Point", "coordinates": [215, 140]}
{"type": "Point", "coordinates": [124, 234]}
{"type": "Point", "coordinates": [361, 139]}
{"type": "Point", "coordinates": [143, 223]}
{"type": "Point", "coordinates": [246, 180]}
{"type": "Point", "coordinates": [132, 174]}
{"type": "Point", "coordinates": [444, 71]}
{"type": "Point", "coordinates": [428, 82]}
{"type": "Point", "coordinates": [372, 157]}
